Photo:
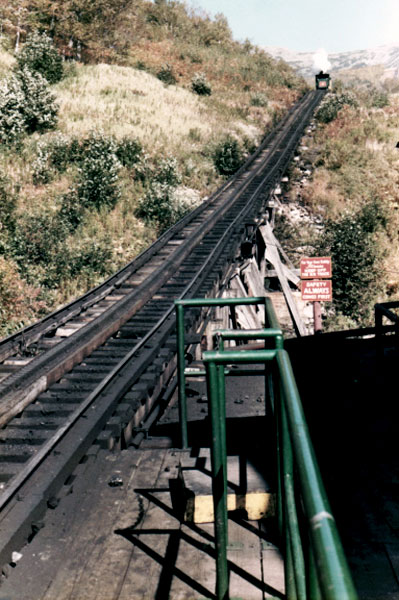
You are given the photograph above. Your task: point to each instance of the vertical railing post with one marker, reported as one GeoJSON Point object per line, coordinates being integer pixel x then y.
{"type": "Point", "coordinates": [181, 365]}
{"type": "Point", "coordinates": [222, 422]}
{"type": "Point", "coordinates": [293, 537]}
{"type": "Point", "coordinates": [219, 477]}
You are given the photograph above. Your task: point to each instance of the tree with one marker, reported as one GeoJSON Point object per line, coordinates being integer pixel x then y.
{"type": "Point", "coordinates": [39, 55]}
{"type": "Point", "coordinates": [353, 244]}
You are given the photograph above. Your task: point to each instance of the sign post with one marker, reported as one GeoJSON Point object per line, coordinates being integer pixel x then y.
{"type": "Point", "coordinates": [316, 285]}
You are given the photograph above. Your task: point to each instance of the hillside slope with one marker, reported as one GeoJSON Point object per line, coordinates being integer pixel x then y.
{"type": "Point", "coordinates": [141, 136]}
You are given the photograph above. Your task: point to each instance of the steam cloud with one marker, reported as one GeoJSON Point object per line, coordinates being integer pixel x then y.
{"type": "Point", "coordinates": [320, 61]}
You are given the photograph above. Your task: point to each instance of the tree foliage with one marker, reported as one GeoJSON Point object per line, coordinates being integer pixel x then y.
{"type": "Point", "coordinates": [228, 156]}
{"type": "Point", "coordinates": [39, 55]}
{"type": "Point", "coordinates": [332, 104]}
{"type": "Point", "coordinates": [354, 246]}
{"type": "Point", "coordinates": [26, 105]}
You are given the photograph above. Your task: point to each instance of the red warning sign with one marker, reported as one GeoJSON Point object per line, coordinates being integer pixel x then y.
{"type": "Point", "coordinates": [316, 268]}
{"type": "Point", "coordinates": [317, 291]}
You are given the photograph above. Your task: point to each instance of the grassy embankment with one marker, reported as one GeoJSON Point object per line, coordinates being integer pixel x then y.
{"type": "Point", "coordinates": [41, 266]}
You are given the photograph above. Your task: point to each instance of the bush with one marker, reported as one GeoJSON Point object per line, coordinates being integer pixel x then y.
{"type": "Point", "coordinates": [38, 247]}
{"type": "Point", "coordinates": [200, 85]}
{"type": "Point", "coordinates": [156, 206]}
{"type": "Point", "coordinates": [12, 102]}
{"type": "Point", "coordinates": [61, 151]}
{"type": "Point", "coordinates": [71, 211]}
{"type": "Point", "coordinates": [228, 156]}
{"type": "Point", "coordinates": [98, 173]}
{"type": "Point", "coordinates": [19, 302]}
{"type": "Point", "coordinates": [40, 109]}
{"type": "Point", "coordinates": [7, 209]}
{"type": "Point", "coordinates": [38, 55]}
{"type": "Point", "coordinates": [41, 250]}
{"type": "Point", "coordinates": [167, 172]}
{"type": "Point", "coordinates": [128, 151]}
{"type": "Point", "coordinates": [26, 105]}
{"type": "Point", "coordinates": [93, 259]}
{"type": "Point", "coordinates": [331, 106]}
{"type": "Point", "coordinates": [379, 99]}
{"type": "Point", "coordinates": [163, 205]}
{"type": "Point", "coordinates": [355, 251]}
{"type": "Point", "coordinates": [98, 185]}
{"type": "Point", "coordinates": [96, 145]}
{"type": "Point", "coordinates": [41, 171]}
{"type": "Point", "coordinates": [259, 99]}
{"type": "Point", "coordinates": [143, 171]}
{"type": "Point", "coordinates": [166, 75]}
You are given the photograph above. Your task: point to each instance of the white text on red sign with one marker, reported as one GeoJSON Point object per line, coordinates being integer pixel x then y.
{"type": "Point", "coordinates": [316, 268]}
{"type": "Point", "coordinates": [317, 291]}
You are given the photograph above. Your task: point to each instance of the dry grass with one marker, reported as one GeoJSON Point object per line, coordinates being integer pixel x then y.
{"type": "Point", "coordinates": [7, 61]}
{"type": "Point", "coordinates": [125, 101]}
{"type": "Point", "coordinates": [321, 196]}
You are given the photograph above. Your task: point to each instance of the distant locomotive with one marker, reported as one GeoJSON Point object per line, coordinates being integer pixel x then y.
{"type": "Point", "coordinates": [322, 81]}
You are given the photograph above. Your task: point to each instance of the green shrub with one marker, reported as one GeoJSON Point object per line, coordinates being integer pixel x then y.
{"type": "Point", "coordinates": [12, 119]}
{"type": "Point", "coordinates": [143, 170]}
{"type": "Point", "coordinates": [156, 206]}
{"type": "Point", "coordinates": [128, 151]}
{"type": "Point", "coordinates": [40, 109]}
{"type": "Point", "coordinates": [72, 211]}
{"type": "Point", "coordinates": [96, 145]}
{"type": "Point", "coordinates": [38, 247]}
{"type": "Point", "coordinates": [228, 156]}
{"type": "Point", "coordinates": [98, 184]}
{"type": "Point", "coordinates": [379, 99]}
{"type": "Point", "coordinates": [166, 75]}
{"type": "Point", "coordinates": [61, 151]}
{"type": "Point", "coordinates": [353, 244]}
{"type": "Point", "coordinates": [98, 173]}
{"type": "Point", "coordinates": [41, 170]}
{"type": "Point", "coordinates": [26, 105]}
{"type": "Point", "coordinates": [91, 260]}
{"type": "Point", "coordinates": [162, 206]}
{"type": "Point", "coordinates": [168, 172]}
{"type": "Point", "coordinates": [141, 66]}
{"type": "Point", "coordinates": [200, 85]}
{"type": "Point", "coordinates": [38, 55]}
{"type": "Point", "coordinates": [259, 99]}
{"type": "Point", "coordinates": [41, 250]}
{"type": "Point", "coordinates": [332, 104]}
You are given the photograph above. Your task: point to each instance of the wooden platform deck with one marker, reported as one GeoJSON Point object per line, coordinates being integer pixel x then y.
{"type": "Point", "coordinates": [126, 541]}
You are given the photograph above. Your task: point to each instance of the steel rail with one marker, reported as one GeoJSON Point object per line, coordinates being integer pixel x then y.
{"type": "Point", "coordinates": [131, 303]}
{"type": "Point", "coordinates": [50, 444]}
{"type": "Point", "coordinates": [104, 398]}
{"type": "Point", "coordinates": [32, 333]}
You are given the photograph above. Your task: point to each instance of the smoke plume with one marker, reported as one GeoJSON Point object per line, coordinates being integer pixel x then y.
{"type": "Point", "coordinates": [321, 62]}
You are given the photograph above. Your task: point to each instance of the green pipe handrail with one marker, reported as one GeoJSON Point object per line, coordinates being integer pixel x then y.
{"type": "Point", "coordinates": [180, 305]}
{"type": "Point", "coordinates": [331, 570]}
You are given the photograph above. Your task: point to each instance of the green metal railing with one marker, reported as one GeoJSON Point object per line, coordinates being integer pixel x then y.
{"type": "Point", "coordinates": [316, 568]}
{"type": "Point", "coordinates": [315, 564]}
{"type": "Point", "coordinates": [181, 305]}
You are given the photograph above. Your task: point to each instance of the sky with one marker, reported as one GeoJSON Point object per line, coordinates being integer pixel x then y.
{"type": "Point", "coordinates": [307, 25]}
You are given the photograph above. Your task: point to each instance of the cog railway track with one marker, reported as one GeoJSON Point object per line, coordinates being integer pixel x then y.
{"type": "Point", "coordinates": [94, 370]}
